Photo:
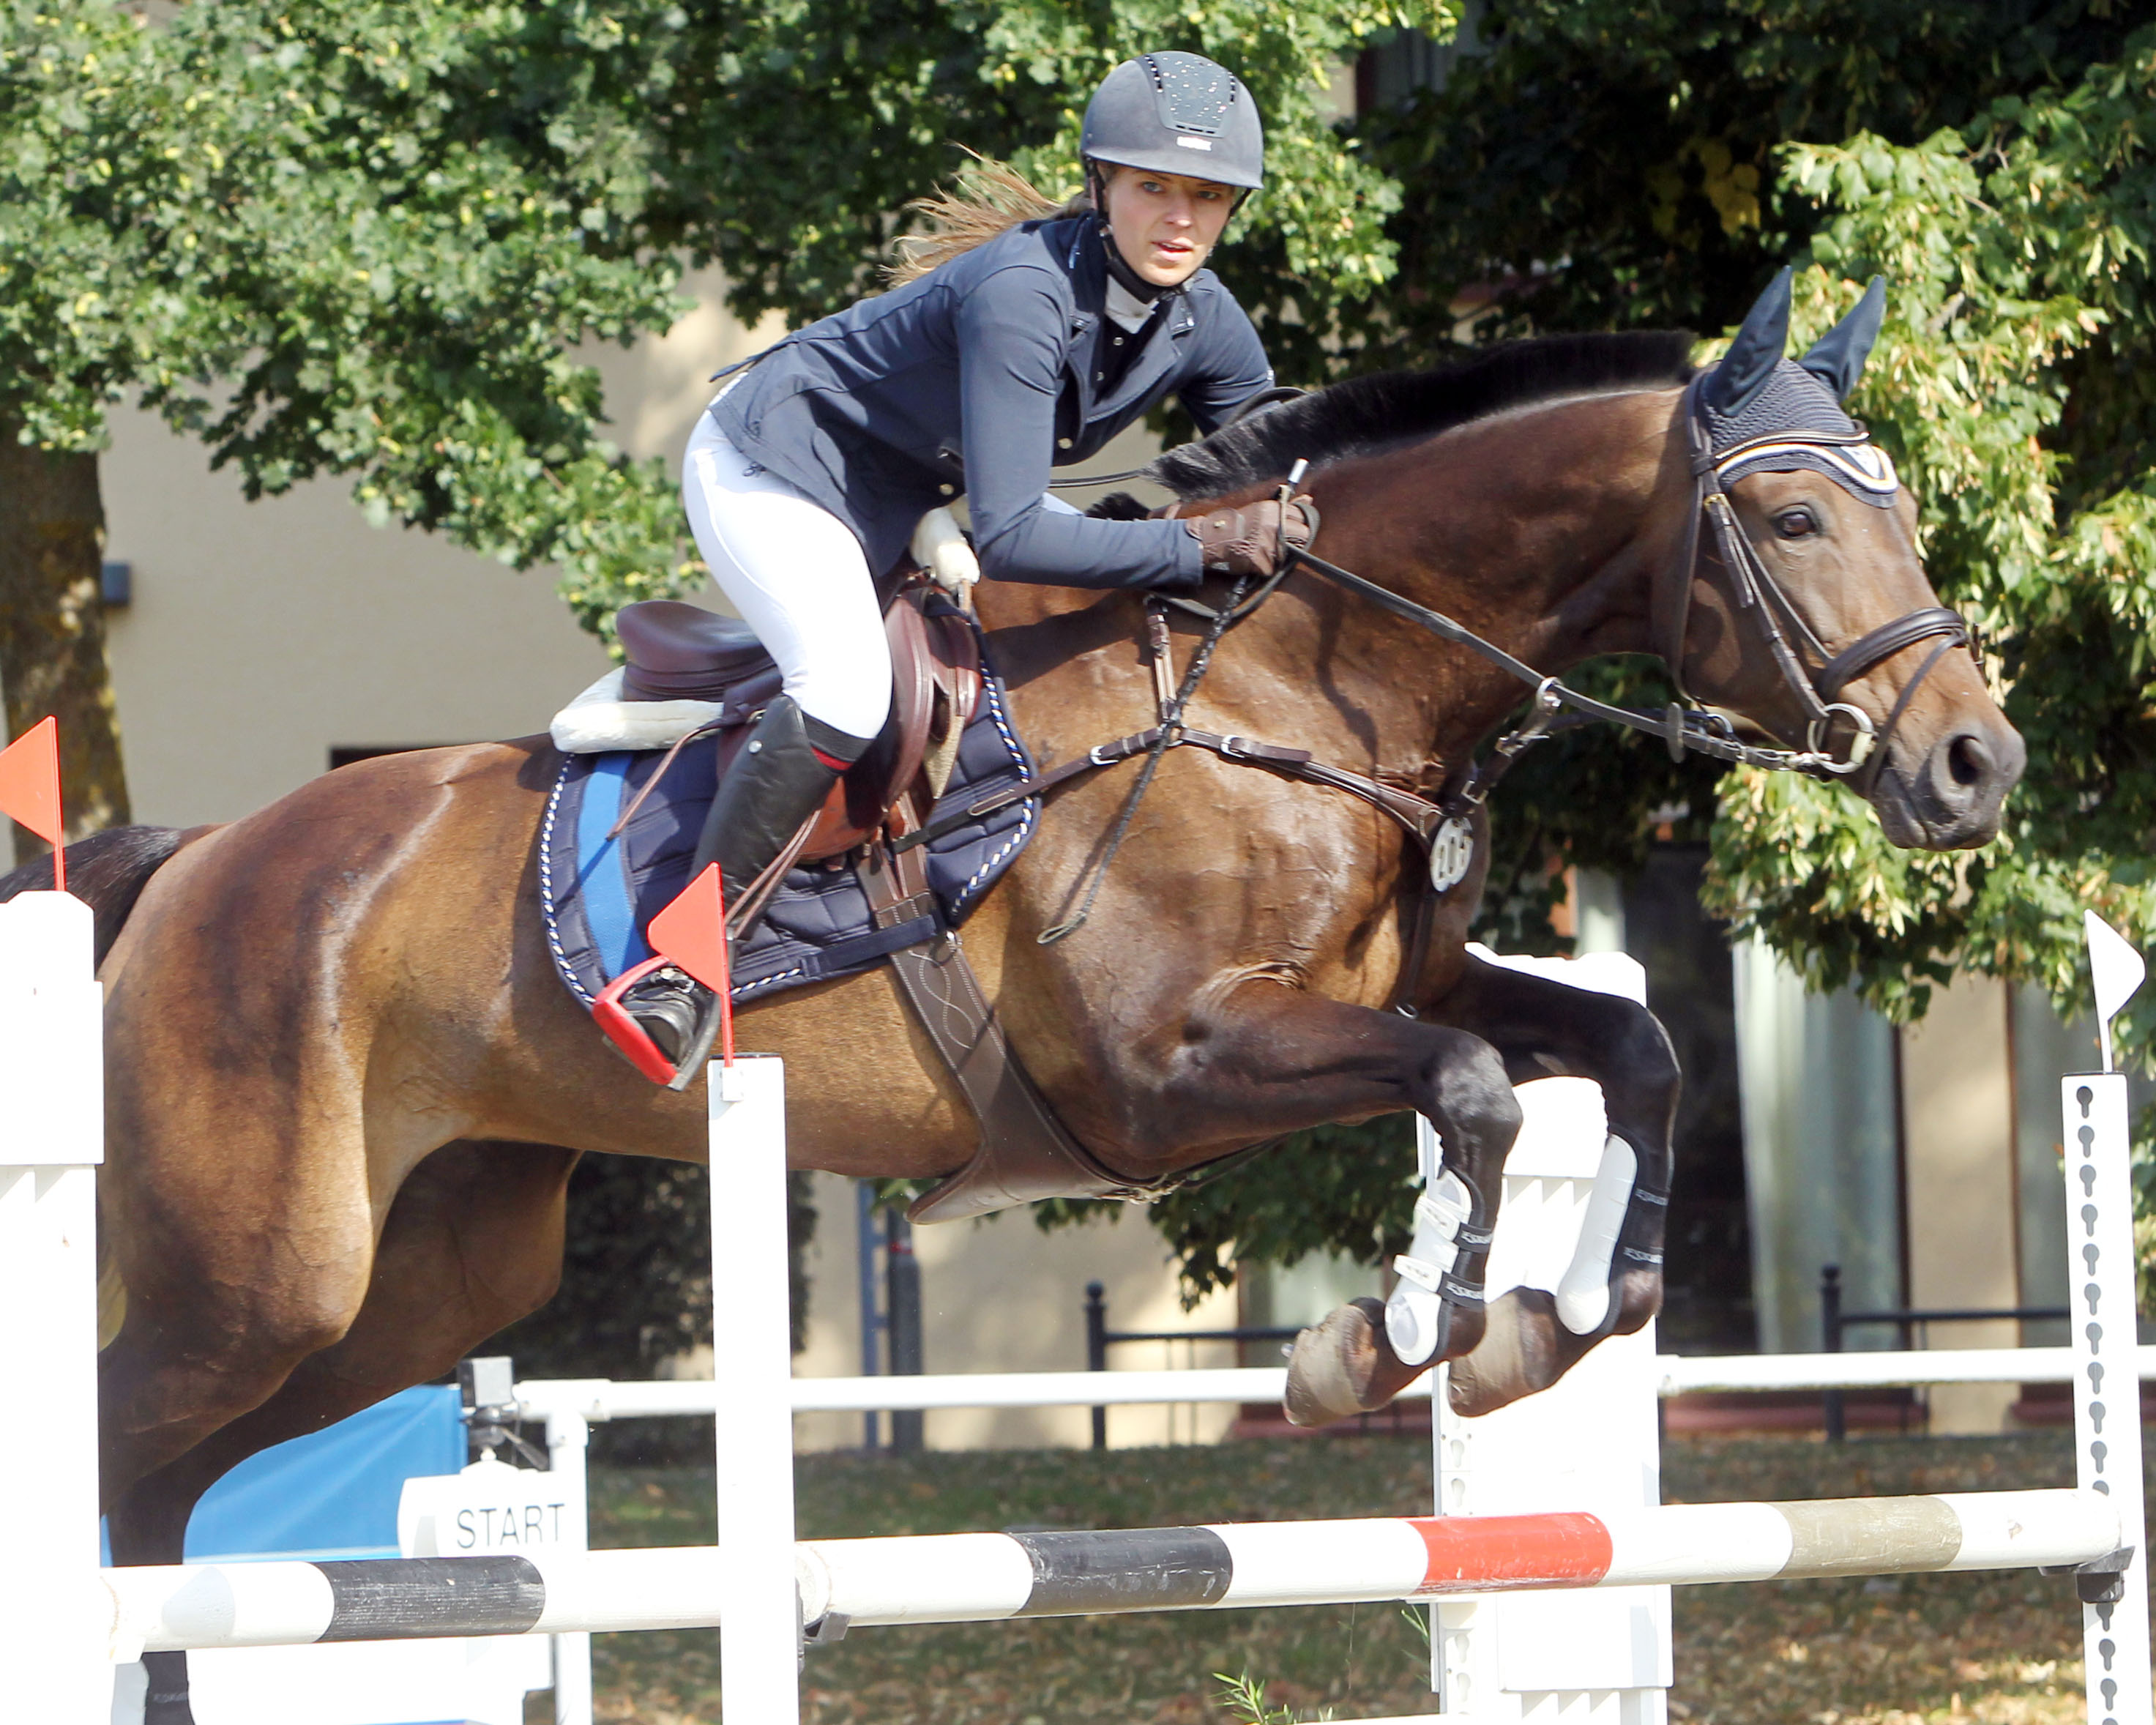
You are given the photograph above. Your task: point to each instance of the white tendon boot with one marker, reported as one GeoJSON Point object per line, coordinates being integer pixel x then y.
{"type": "Point", "coordinates": [1414, 1315]}
{"type": "Point", "coordinates": [1583, 1295]}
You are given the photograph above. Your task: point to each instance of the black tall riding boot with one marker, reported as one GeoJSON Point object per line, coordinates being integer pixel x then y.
{"type": "Point", "coordinates": [781, 777]}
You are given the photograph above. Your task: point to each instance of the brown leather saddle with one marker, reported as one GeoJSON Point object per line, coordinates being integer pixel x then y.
{"type": "Point", "coordinates": [679, 652]}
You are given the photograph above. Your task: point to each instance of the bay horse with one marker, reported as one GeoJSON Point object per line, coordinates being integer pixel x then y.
{"type": "Point", "coordinates": [346, 1087]}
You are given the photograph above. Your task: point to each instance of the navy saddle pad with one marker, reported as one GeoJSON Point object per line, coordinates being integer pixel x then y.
{"type": "Point", "coordinates": [598, 893]}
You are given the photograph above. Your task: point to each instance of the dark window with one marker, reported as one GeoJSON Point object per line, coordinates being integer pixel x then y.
{"type": "Point", "coordinates": [1389, 72]}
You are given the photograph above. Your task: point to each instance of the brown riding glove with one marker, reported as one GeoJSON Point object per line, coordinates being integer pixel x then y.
{"type": "Point", "coordinates": [1246, 540]}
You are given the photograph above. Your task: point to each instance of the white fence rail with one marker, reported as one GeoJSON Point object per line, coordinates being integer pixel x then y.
{"type": "Point", "coordinates": [597, 1400]}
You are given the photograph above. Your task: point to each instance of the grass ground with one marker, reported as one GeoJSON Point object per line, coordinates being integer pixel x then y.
{"type": "Point", "coordinates": [2000, 1649]}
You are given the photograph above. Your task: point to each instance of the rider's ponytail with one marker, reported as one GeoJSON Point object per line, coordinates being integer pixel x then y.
{"type": "Point", "coordinates": [991, 198]}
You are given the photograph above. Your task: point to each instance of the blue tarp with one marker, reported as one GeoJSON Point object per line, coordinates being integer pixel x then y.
{"type": "Point", "coordinates": [332, 1493]}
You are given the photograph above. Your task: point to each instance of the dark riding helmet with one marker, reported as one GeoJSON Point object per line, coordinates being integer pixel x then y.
{"type": "Point", "coordinates": [1176, 114]}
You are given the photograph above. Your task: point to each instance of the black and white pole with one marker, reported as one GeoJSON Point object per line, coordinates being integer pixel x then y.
{"type": "Point", "coordinates": [2107, 1381]}
{"type": "Point", "coordinates": [760, 1643]}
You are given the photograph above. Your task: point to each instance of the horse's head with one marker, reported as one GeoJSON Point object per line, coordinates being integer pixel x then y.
{"type": "Point", "coordinates": [1802, 604]}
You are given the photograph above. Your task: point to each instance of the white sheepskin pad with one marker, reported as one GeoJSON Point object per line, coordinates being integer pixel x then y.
{"type": "Point", "coordinates": [599, 720]}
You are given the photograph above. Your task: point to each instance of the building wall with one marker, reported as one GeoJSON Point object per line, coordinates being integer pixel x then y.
{"type": "Point", "coordinates": [1921, 1161]}
{"type": "Point", "coordinates": [1959, 1167]}
{"type": "Point", "coordinates": [1821, 1150]}
{"type": "Point", "coordinates": [262, 635]}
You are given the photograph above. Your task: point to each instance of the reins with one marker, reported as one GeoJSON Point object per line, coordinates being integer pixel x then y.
{"type": "Point", "coordinates": [1164, 736]}
{"type": "Point", "coordinates": [1683, 727]}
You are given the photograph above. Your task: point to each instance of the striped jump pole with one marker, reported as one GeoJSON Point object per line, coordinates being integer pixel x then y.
{"type": "Point", "coordinates": [974, 1578]}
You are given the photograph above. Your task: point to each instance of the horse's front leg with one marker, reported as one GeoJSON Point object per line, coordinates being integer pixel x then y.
{"type": "Point", "coordinates": [1614, 1284]}
{"type": "Point", "coordinates": [1271, 1059]}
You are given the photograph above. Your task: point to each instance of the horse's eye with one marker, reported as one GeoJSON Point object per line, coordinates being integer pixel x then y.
{"type": "Point", "coordinates": [1795, 523]}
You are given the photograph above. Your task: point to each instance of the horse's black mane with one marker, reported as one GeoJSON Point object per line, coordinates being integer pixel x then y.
{"type": "Point", "coordinates": [1364, 415]}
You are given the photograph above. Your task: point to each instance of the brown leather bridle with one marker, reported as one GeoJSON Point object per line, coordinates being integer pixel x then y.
{"type": "Point", "coordinates": [1813, 673]}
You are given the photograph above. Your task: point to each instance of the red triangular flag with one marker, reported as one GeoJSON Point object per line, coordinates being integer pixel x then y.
{"type": "Point", "coordinates": [30, 788]}
{"type": "Point", "coordinates": [30, 779]}
{"type": "Point", "coordinates": [692, 931]}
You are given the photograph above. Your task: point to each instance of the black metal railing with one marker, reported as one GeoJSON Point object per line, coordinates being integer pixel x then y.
{"type": "Point", "coordinates": [1833, 1320]}
{"type": "Point", "coordinates": [1100, 1339]}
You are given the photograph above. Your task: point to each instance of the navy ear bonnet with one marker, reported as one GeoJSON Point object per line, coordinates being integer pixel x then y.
{"type": "Point", "coordinates": [1755, 396]}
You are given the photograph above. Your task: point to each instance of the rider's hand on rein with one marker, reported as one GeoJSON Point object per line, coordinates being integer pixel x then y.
{"type": "Point", "coordinates": [1248, 540]}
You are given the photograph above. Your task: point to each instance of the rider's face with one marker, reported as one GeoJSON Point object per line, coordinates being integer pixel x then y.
{"type": "Point", "coordinates": [1165, 224]}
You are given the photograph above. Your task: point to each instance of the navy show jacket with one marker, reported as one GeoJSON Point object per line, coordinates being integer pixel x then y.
{"type": "Point", "coordinates": [980, 377]}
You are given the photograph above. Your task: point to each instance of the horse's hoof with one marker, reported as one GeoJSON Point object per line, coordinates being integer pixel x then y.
{"type": "Point", "coordinates": [1521, 1350]}
{"type": "Point", "coordinates": [1332, 1373]}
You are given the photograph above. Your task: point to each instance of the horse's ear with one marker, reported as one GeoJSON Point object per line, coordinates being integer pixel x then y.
{"type": "Point", "coordinates": [1837, 360]}
{"type": "Point", "coordinates": [1757, 351]}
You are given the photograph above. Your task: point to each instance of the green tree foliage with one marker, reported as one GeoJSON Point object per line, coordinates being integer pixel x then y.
{"type": "Point", "coordinates": [1596, 164]}
{"type": "Point", "coordinates": [366, 240]}
{"type": "Point", "coordinates": [2016, 387]}
{"type": "Point", "coordinates": [359, 240]}
{"type": "Point", "coordinates": [799, 129]}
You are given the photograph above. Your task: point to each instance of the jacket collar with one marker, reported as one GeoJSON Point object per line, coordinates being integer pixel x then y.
{"type": "Point", "coordinates": [1085, 258]}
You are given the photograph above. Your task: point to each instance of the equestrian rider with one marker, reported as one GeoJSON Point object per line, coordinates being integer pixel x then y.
{"type": "Point", "coordinates": [1011, 352]}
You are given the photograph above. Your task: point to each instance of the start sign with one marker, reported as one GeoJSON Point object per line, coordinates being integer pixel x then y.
{"type": "Point", "coordinates": [488, 1509]}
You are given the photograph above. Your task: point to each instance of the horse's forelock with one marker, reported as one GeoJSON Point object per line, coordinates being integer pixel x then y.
{"type": "Point", "coordinates": [1365, 416]}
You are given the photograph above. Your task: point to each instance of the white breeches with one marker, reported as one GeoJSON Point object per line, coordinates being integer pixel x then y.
{"type": "Point", "coordinates": [798, 577]}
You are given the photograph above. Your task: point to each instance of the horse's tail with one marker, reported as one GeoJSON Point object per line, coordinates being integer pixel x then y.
{"type": "Point", "coordinates": [107, 870]}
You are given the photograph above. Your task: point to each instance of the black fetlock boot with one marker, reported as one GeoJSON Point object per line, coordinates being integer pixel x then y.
{"type": "Point", "coordinates": [778, 781]}
{"type": "Point", "coordinates": [166, 1700]}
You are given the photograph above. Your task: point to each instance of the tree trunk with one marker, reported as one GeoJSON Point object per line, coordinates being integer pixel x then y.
{"type": "Point", "coordinates": [52, 629]}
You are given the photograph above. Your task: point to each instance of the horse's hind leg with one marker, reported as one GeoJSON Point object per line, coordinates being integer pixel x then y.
{"type": "Point", "coordinates": [472, 1243]}
{"type": "Point", "coordinates": [1614, 1285]}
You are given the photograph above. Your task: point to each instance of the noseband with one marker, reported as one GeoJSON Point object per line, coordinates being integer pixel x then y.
{"type": "Point", "coordinates": [1815, 674]}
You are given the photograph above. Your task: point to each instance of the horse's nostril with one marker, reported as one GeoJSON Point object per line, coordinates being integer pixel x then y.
{"type": "Point", "coordinates": [1969, 760]}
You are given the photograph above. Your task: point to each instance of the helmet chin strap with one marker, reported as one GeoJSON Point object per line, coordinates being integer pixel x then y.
{"type": "Point", "coordinates": [1132, 283]}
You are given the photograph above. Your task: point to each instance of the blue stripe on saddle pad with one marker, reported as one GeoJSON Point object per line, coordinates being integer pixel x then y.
{"type": "Point", "coordinates": [597, 894]}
